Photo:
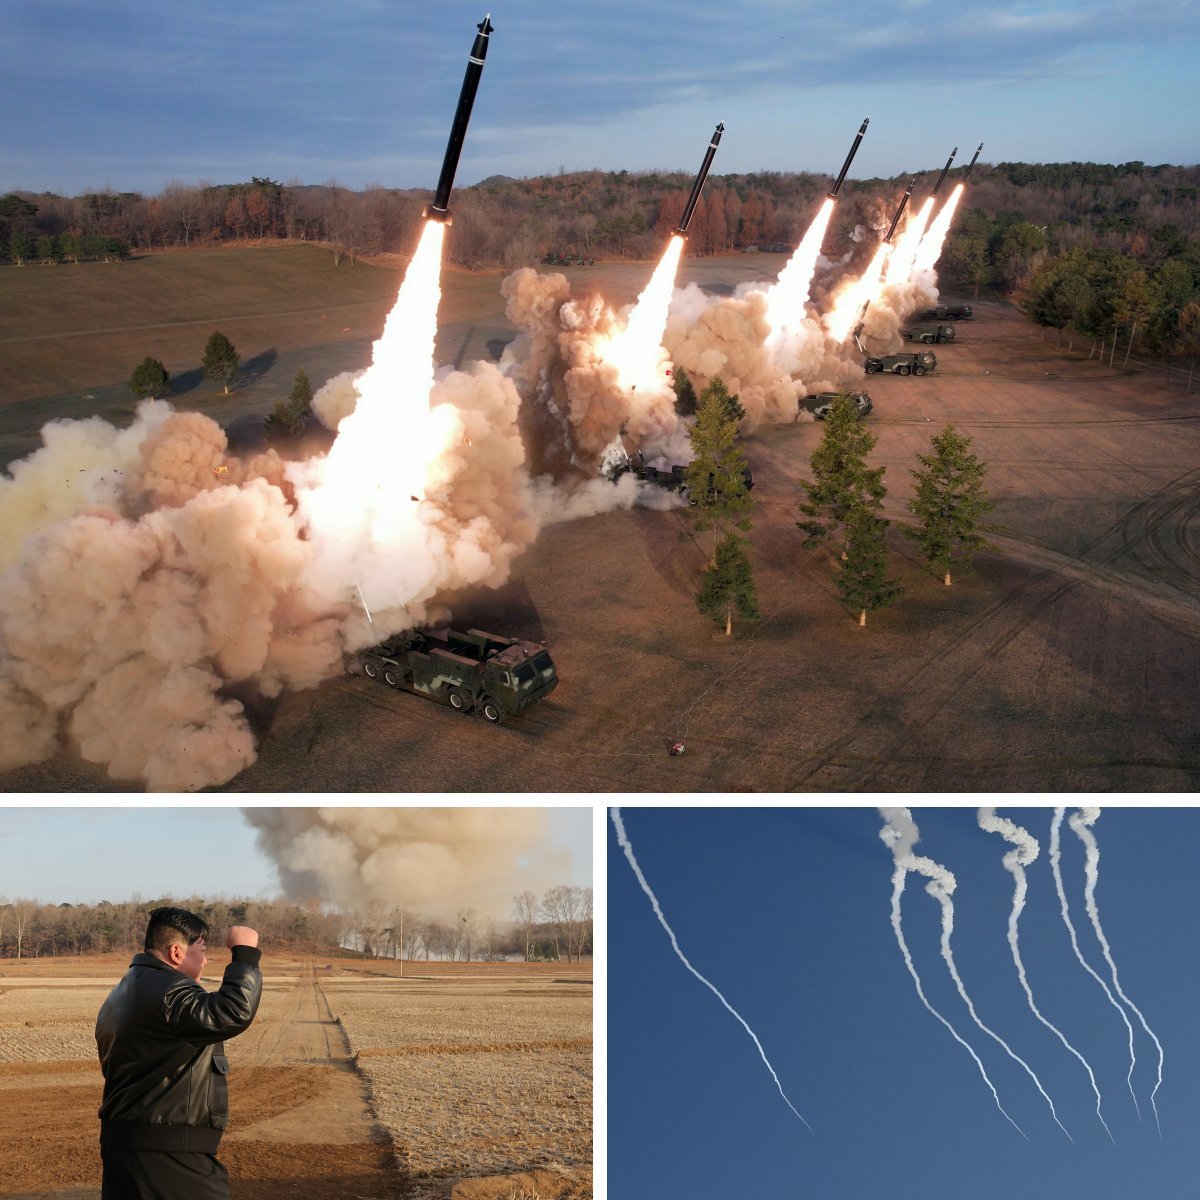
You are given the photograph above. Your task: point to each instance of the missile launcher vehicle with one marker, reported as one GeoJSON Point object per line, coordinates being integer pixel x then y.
{"type": "Point", "coordinates": [820, 404]}
{"type": "Point", "coordinates": [903, 364]}
{"type": "Point", "coordinates": [941, 333]}
{"type": "Point", "coordinates": [947, 312]}
{"type": "Point", "coordinates": [492, 676]}
{"type": "Point", "coordinates": [672, 479]}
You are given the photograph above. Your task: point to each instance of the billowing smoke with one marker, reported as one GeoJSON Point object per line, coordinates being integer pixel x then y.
{"type": "Point", "coordinates": [434, 860]}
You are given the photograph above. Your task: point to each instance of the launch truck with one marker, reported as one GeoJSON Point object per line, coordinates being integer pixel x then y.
{"type": "Point", "coordinates": [821, 403]}
{"type": "Point", "coordinates": [948, 312]}
{"type": "Point", "coordinates": [941, 334]}
{"type": "Point", "coordinates": [903, 364]}
{"type": "Point", "coordinates": [492, 676]}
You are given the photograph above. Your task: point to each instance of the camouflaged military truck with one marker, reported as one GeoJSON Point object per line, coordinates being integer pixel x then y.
{"type": "Point", "coordinates": [948, 312]}
{"type": "Point", "coordinates": [821, 403]}
{"type": "Point", "coordinates": [903, 364]}
{"type": "Point", "coordinates": [474, 672]}
{"type": "Point", "coordinates": [941, 333]}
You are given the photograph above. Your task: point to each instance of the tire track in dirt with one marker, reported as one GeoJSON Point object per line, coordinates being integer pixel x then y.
{"type": "Point", "coordinates": [927, 700]}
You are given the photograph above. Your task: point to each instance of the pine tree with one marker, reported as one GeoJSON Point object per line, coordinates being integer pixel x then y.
{"type": "Point", "coordinates": [220, 359]}
{"type": "Point", "coordinates": [301, 397]}
{"type": "Point", "coordinates": [949, 503]}
{"type": "Point", "coordinates": [685, 393]}
{"type": "Point", "coordinates": [863, 582]}
{"type": "Point", "coordinates": [717, 477]}
{"type": "Point", "coordinates": [150, 379]}
{"type": "Point", "coordinates": [728, 584]}
{"type": "Point", "coordinates": [841, 480]}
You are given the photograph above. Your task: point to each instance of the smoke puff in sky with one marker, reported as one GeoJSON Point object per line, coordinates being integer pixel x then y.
{"type": "Point", "coordinates": [437, 860]}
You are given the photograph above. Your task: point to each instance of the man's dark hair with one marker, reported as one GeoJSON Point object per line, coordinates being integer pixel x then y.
{"type": "Point", "coordinates": [169, 926]}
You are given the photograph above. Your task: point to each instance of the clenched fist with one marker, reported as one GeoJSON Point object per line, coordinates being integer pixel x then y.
{"type": "Point", "coordinates": [241, 935]}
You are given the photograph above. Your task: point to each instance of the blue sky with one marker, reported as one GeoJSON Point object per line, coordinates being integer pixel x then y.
{"type": "Point", "coordinates": [76, 855]}
{"type": "Point", "coordinates": [133, 94]}
{"type": "Point", "coordinates": [787, 911]}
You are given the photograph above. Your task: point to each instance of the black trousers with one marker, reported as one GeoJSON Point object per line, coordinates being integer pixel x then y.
{"type": "Point", "coordinates": [162, 1175]}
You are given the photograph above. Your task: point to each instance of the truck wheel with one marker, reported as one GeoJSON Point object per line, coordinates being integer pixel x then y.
{"type": "Point", "coordinates": [928, 340]}
{"type": "Point", "coordinates": [942, 339]}
{"type": "Point", "coordinates": [370, 670]}
{"type": "Point", "coordinates": [461, 700]}
{"type": "Point", "coordinates": [871, 368]}
{"type": "Point", "coordinates": [901, 370]}
{"type": "Point", "coordinates": [390, 677]}
{"type": "Point", "coordinates": [491, 710]}
{"type": "Point", "coordinates": [918, 370]}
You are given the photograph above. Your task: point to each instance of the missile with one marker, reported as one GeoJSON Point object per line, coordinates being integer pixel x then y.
{"type": "Point", "coordinates": [971, 164]}
{"type": "Point", "coordinates": [837, 187]}
{"type": "Point", "coordinates": [942, 176]}
{"type": "Point", "coordinates": [903, 202]}
{"type": "Point", "coordinates": [439, 210]}
{"type": "Point", "coordinates": [698, 186]}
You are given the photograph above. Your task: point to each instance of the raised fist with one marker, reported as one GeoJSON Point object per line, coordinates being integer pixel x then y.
{"type": "Point", "coordinates": [241, 935]}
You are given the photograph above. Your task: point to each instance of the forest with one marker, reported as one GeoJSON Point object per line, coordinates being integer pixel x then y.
{"type": "Point", "coordinates": [556, 925]}
{"type": "Point", "coordinates": [1127, 235]}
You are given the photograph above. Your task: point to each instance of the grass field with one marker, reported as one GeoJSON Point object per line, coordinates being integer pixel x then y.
{"type": "Point", "coordinates": [471, 1080]}
{"type": "Point", "coordinates": [1067, 663]}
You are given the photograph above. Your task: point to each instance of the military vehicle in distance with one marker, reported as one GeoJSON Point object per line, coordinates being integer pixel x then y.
{"type": "Point", "coordinates": [672, 480]}
{"type": "Point", "coordinates": [903, 364]}
{"type": "Point", "coordinates": [942, 333]}
{"type": "Point", "coordinates": [492, 676]}
{"type": "Point", "coordinates": [947, 312]}
{"type": "Point", "coordinates": [820, 404]}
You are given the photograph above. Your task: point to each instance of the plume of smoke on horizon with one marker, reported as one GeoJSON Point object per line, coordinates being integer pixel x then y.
{"type": "Point", "coordinates": [434, 860]}
{"type": "Point", "coordinates": [1081, 823]}
{"type": "Point", "coordinates": [1025, 852]}
{"type": "Point", "coordinates": [627, 848]}
{"type": "Point", "coordinates": [942, 894]}
{"type": "Point", "coordinates": [1056, 868]}
{"type": "Point", "coordinates": [900, 835]}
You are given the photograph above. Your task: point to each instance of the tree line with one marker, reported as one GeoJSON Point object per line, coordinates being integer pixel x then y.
{"type": "Point", "coordinates": [503, 222]}
{"type": "Point", "coordinates": [556, 925]}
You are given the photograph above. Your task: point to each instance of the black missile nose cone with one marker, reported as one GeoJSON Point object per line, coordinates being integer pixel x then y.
{"type": "Point", "coordinates": [485, 26]}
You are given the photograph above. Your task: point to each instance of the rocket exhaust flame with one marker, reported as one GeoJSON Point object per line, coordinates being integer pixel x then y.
{"type": "Point", "coordinates": [1081, 823]}
{"type": "Point", "coordinates": [636, 351]}
{"type": "Point", "coordinates": [1055, 865]}
{"type": "Point", "coordinates": [930, 248]}
{"type": "Point", "coordinates": [1023, 854]}
{"type": "Point", "coordinates": [901, 261]}
{"type": "Point", "coordinates": [789, 294]}
{"type": "Point", "coordinates": [623, 839]}
{"type": "Point", "coordinates": [900, 835]}
{"type": "Point", "coordinates": [850, 306]}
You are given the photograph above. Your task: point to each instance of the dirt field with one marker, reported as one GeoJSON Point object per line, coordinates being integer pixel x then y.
{"type": "Point", "coordinates": [463, 1080]}
{"type": "Point", "coordinates": [1069, 662]}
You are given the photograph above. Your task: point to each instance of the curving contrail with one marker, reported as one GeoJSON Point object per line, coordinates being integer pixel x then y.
{"type": "Point", "coordinates": [1055, 860]}
{"type": "Point", "coordinates": [1081, 822]}
{"type": "Point", "coordinates": [938, 889]}
{"type": "Point", "coordinates": [623, 839]}
{"type": "Point", "coordinates": [900, 834]}
{"type": "Point", "coordinates": [1025, 851]}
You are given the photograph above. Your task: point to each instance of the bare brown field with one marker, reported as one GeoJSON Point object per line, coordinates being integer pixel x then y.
{"type": "Point", "coordinates": [1067, 663]}
{"type": "Point", "coordinates": [468, 1083]}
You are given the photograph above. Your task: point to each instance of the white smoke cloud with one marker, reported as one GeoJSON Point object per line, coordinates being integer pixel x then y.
{"type": "Point", "coordinates": [434, 860]}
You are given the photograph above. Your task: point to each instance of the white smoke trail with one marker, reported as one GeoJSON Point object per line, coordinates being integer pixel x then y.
{"type": "Point", "coordinates": [788, 295]}
{"type": "Point", "coordinates": [623, 839]}
{"type": "Point", "coordinates": [1055, 860]}
{"type": "Point", "coordinates": [938, 889]}
{"type": "Point", "coordinates": [900, 834]}
{"type": "Point", "coordinates": [1081, 823]}
{"type": "Point", "coordinates": [1025, 852]}
{"type": "Point", "coordinates": [854, 300]}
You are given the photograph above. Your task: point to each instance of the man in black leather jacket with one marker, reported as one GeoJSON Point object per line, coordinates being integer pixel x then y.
{"type": "Point", "coordinates": [161, 1041]}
